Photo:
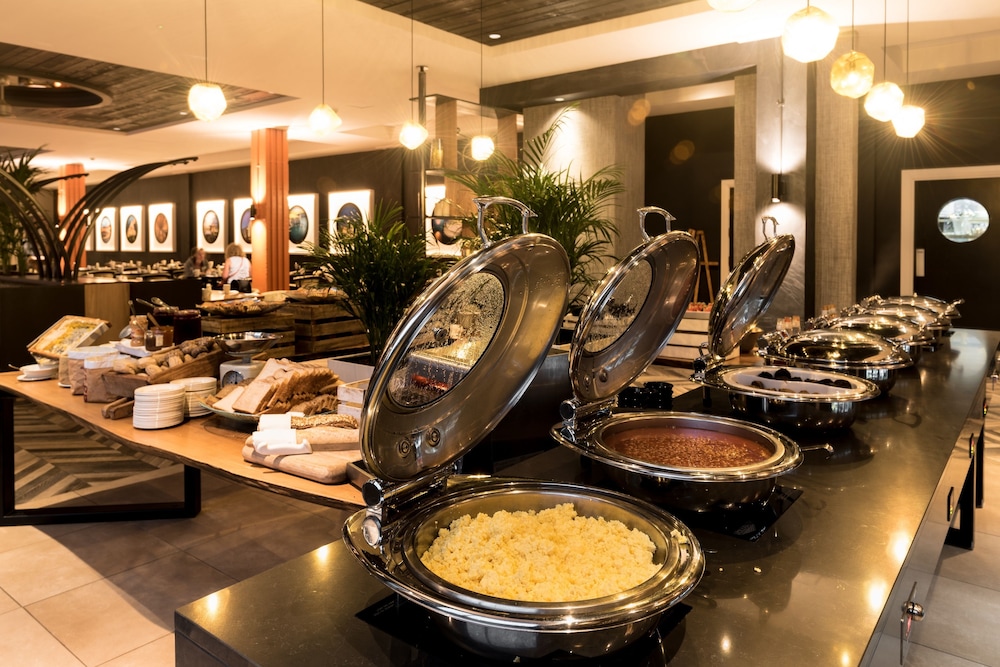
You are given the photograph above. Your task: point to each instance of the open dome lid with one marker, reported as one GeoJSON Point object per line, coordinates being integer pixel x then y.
{"type": "Point", "coordinates": [464, 353]}
{"type": "Point", "coordinates": [633, 312]}
{"type": "Point", "coordinates": [748, 292]}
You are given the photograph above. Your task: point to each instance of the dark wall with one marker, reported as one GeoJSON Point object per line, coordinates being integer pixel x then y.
{"type": "Point", "coordinates": [962, 129]}
{"type": "Point", "coordinates": [380, 171]}
{"type": "Point", "coordinates": [687, 155]}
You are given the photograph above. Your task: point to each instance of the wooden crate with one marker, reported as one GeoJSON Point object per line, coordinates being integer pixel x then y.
{"type": "Point", "coordinates": [281, 323]}
{"type": "Point", "coordinates": [326, 327]}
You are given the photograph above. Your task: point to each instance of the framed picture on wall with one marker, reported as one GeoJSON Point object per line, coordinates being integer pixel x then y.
{"type": "Point", "coordinates": [349, 207]}
{"type": "Point", "coordinates": [209, 216]}
{"type": "Point", "coordinates": [105, 232]}
{"type": "Point", "coordinates": [130, 219]}
{"type": "Point", "coordinates": [241, 222]}
{"type": "Point", "coordinates": [162, 235]}
{"type": "Point", "coordinates": [302, 224]}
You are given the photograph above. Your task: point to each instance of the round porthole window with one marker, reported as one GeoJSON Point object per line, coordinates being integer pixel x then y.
{"type": "Point", "coordinates": [963, 220]}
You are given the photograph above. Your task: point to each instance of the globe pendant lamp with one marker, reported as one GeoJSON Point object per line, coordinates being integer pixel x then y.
{"type": "Point", "coordinates": [206, 100]}
{"type": "Point", "coordinates": [413, 134]}
{"type": "Point", "coordinates": [323, 118]}
{"type": "Point", "coordinates": [853, 73]}
{"type": "Point", "coordinates": [810, 34]}
{"type": "Point", "coordinates": [884, 101]}
{"type": "Point", "coordinates": [730, 5]}
{"type": "Point", "coordinates": [482, 145]}
{"type": "Point", "coordinates": [909, 119]}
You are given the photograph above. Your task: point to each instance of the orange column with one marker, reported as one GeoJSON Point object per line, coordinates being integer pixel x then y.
{"type": "Point", "coordinates": [269, 189]}
{"type": "Point", "coordinates": [71, 190]}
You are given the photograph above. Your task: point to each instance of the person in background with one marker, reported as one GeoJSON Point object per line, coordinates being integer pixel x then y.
{"type": "Point", "coordinates": [194, 266]}
{"type": "Point", "coordinates": [237, 266]}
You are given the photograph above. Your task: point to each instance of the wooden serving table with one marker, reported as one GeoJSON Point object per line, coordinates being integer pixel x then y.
{"type": "Point", "coordinates": [205, 443]}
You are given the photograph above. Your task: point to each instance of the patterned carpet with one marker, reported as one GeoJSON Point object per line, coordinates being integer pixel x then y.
{"type": "Point", "coordinates": [54, 455]}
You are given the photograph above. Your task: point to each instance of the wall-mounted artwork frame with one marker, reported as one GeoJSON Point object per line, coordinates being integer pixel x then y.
{"type": "Point", "coordinates": [132, 230]}
{"type": "Point", "coordinates": [302, 224]}
{"type": "Point", "coordinates": [105, 232]}
{"type": "Point", "coordinates": [209, 218]}
{"type": "Point", "coordinates": [241, 222]}
{"type": "Point", "coordinates": [347, 204]}
{"type": "Point", "coordinates": [162, 232]}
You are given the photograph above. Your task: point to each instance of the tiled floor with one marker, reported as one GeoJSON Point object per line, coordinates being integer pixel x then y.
{"type": "Point", "coordinates": [104, 594]}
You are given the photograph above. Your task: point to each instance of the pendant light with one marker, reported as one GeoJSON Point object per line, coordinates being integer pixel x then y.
{"type": "Point", "coordinates": [853, 73]}
{"type": "Point", "coordinates": [909, 120]}
{"type": "Point", "coordinates": [323, 118]}
{"type": "Point", "coordinates": [730, 5]}
{"type": "Point", "coordinates": [482, 146]}
{"type": "Point", "coordinates": [885, 99]}
{"type": "Point", "coordinates": [206, 100]}
{"type": "Point", "coordinates": [413, 134]}
{"type": "Point", "coordinates": [810, 34]}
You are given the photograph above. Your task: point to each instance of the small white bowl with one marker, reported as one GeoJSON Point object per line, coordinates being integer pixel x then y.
{"type": "Point", "coordinates": [39, 371]}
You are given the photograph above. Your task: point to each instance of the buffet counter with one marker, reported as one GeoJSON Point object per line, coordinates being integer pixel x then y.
{"type": "Point", "coordinates": [822, 583]}
{"type": "Point", "coordinates": [211, 444]}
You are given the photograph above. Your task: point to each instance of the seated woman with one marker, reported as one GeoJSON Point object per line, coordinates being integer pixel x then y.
{"type": "Point", "coordinates": [194, 266]}
{"type": "Point", "coordinates": [236, 268]}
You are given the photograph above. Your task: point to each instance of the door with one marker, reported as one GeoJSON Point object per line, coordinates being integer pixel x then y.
{"type": "Point", "coordinates": [959, 267]}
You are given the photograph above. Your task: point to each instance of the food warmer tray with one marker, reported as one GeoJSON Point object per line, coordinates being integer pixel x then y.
{"type": "Point", "coordinates": [431, 399]}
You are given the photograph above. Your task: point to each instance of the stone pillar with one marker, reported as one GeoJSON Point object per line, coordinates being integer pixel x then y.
{"type": "Point", "coordinates": [507, 133]}
{"type": "Point", "coordinates": [598, 133]}
{"type": "Point", "coordinates": [269, 190]}
{"type": "Point", "coordinates": [71, 190]}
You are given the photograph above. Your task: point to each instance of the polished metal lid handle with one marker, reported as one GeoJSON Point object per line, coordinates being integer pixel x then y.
{"type": "Point", "coordinates": [483, 203]}
{"type": "Point", "coordinates": [774, 225]}
{"type": "Point", "coordinates": [652, 209]}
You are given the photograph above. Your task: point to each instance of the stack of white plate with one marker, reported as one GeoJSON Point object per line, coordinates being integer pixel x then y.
{"type": "Point", "coordinates": [158, 406]}
{"type": "Point", "coordinates": [196, 390]}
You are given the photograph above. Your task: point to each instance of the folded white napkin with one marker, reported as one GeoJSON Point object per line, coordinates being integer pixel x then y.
{"type": "Point", "coordinates": [278, 441]}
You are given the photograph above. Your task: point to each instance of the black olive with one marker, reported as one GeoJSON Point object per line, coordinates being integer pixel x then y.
{"type": "Point", "coordinates": [843, 384]}
{"type": "Point", "coordinates": [782, 374]}
{"type": "Point", "coordinates": [829, 382]}
{"type": "Point", "coordinates": [757, 384]}
{"type": "Point", "coordinates": [766, 375]}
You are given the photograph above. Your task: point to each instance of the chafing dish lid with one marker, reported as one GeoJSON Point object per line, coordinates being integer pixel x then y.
{"type": "Point", "coordinates": [463, 354]}
{"type": "Point", "coordinates": [747, 293]}
{"type": "Point", "coordinates": [921, 316]}
{"type": "Point", "coordinates": [894, 328]}
{"type": "Point", "coordinates": [632, 313]}
{"type": "Point", "coordinates": [948, 309]}
{"type": "Point", "coordinates": [838, 348]}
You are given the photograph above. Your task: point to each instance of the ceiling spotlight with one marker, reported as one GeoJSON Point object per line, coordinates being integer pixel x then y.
{"type": "Point", "coordinates": [810, 34]}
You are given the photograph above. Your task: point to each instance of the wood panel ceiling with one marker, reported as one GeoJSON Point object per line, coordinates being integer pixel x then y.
{"type": "Point", "coordinates": [515, 19]}
{"type": "Point", "coordinates": [138, 100]}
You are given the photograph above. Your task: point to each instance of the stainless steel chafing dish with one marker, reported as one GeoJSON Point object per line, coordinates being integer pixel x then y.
{"type": "Point", "coordinates": [816, 399]}
{"type": "Point", "coordinates": [934, 323]}
{"type": "Point", "coordinates": [431, 399]}
{"type": "Point", "coordinates": [908, 335]}
{"type": "Point", "coordinates": [858, 353]}
{"type": "Point", "coordinates": [948, 309]}
{"type": "Point", "coordinates": [657, 280]}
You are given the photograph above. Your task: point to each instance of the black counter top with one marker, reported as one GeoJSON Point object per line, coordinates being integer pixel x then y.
{"type": "Point", "coordinates": [809, 590]}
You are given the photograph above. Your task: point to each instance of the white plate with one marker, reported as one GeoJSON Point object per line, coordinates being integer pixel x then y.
{"type": "Point", "coordinates": [25, 378]}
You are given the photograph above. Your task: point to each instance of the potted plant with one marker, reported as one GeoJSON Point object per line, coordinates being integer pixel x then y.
{"type": "Point", "coordinates": [572, 210]}
{"type": "Point", "coordinates": [11, 229]}
{"type": "Point", "coordinates": [378, 264]}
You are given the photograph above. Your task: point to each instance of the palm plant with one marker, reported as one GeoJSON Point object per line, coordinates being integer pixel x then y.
{"type": "Point", "coordinates": [570, 210]}
{"type": "Point", "coordinates": [12, 234]}
{"type": "Point", "coordinates": [380, 267]}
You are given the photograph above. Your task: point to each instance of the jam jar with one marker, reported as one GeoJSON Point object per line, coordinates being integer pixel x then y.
{"type": "Point", "coordinates": [187, 325]}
